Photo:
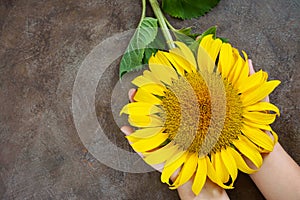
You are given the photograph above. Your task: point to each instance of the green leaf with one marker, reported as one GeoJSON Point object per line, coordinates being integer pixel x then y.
{"type": "Point", "coordinates": [188, 32]}
{"type": "Point", "coordinates": [224, 40]}
{"type": "Point", "coordinates": [184, 35]}
{"type": "Point", "coordinates": [187, 9]}
{"type": "Point", "coordinates": [212, 30]}
{"type": "Point", "coordinates": [194, 46]}
{"type": "Point", "coordinates": [148, 53]}
{"type": "Point", "coordinates": [143, 36]}
{"type": "Point", "coordinates": [157, 44]}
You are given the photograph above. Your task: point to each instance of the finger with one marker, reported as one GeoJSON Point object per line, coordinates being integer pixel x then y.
{"type": "Point", "coordinates": [266, 99]}
{"type": "Point", "coordinates": [131, 94]}
{"type": "Point", "coordinates": [127, 130]}
{"type": "Point", "coordinates": [159, 167]}
{"type": "Point", "coordinates": [175, 174]}
{"type": "Point", "coordinates": [251, 69]}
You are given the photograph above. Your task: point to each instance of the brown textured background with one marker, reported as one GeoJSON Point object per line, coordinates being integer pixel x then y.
{"type": "Point", "coordinates": [43, 43]}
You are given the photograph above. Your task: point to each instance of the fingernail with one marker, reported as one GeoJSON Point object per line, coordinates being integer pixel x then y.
{"type": "Point", "coordinates": [123, 129]}
{"type": "Point", "coordinates": [131, 91]}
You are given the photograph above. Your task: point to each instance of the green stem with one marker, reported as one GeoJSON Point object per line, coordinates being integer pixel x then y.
{"type": "Point", "coordinates": [161, 20]}
{"type": "Point", "coordinates": [143, 11]}
{"type": "Point", "coordinates": [170, 25]}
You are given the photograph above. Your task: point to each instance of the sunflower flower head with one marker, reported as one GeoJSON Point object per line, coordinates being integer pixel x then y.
{"type": "Point", "coordinates": [202, 115]}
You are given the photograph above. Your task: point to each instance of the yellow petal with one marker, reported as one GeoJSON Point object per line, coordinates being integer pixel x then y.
{"type": "Point", "coordinates": [154, 89]}
{"type": "Point", "coordinates": [206, 41]}
{"type": "Point", "coordinates": [172, 167]}
{"type": "Point", "coordinates": [149, 143]}
{"type": "Point", "coordinates": [144, 96]}
{"type": "Point", "coordinates": [240, 162]}
{"type": "Point", "coordinates": [149, 75]}
{"type": "Point", "coordinates": [131, 139]}
{"type": "Point", "coordinates": [179, 61]}
{"type": "Point", "coordinates": [140, 108]}
{"type": "Point", "coordinates": [212, 46]}
{"type": "Point", "coordinates": [260, 93]}
{"type": "Point", "coordinates": [160, 155]}
{"type": "Point", "coordinates": [226, 60]}
{"type": "Point", "coordinates": [162, 59]}
{"type": "Point", "coordinates": [146, 132]}
{"type": "Point", "coordinates": [236, 54]}
{"type": "Point", "coordinates": [188, 54]}
{"type": "Point", "coordinates": [249, 150]}
{"type": "Point", "coordinates": [145, 121]}
{"type": "Point", "coordinates": [141, 80]}
{"type": "Point", "coordinates": [259, 117]}
{"type": "Point", "coordinates": [255, 125]}
{"type": "Point", "coordinates": [205, 63]}
{"type": "Point", "coordinates": [244, 71]}
{"type": "Point", "coordinates": [252, 82]}
{"type": "Point", "coordinates": [263, 106]}
{"type": "Point", "coordinates": [175, 157]}
{"type": "Point", "coordinates": [171, 57]}
{"type": "Point", "coordinates": [163, 73]}
{"type": "Point", "coordinates": [220, 167]}
{"type": "Point", "coordinates": [200, 176]}
{"type": "Point", "coordinates": [236, 70]}
{"type": "Point", "coordinates": [275, 136]}
{"type": "Point", "coordinates": [259, 137]}
{"type": "Point", "coordinates": [211, 173]}
{"type": "Point", "coordinates": [229, 163]}
{"type": "Point", "coordinates": [187, 171]}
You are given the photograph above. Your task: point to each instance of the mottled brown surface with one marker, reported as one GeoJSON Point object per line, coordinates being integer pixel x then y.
{"type": "Point", "coordinates": [43, 43]}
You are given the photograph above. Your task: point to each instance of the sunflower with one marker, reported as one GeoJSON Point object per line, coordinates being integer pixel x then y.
{"type": "Point", "coordinates": [201, 116]}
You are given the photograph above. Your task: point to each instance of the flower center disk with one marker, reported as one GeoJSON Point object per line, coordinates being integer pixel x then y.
{"type": "Point", "coordinates": [188, 113]}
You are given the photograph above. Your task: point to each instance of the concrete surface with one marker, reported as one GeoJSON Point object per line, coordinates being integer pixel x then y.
{"type": "Point", "coordinates": [43, 43]}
